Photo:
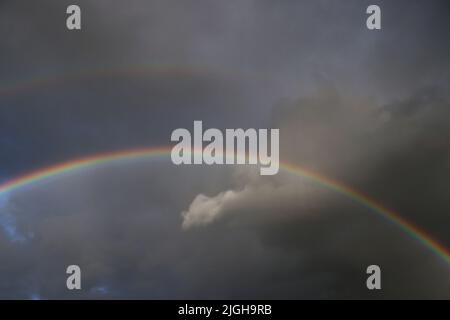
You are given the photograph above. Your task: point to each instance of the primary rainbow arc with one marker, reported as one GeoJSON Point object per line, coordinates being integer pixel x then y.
{"type": "Point", "coordinates": [103, 158]}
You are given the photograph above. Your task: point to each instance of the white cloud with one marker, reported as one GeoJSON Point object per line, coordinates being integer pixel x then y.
{"type": "Point", "coordinates": [204, 210]}
{"type": "Point", "coordinates": [255, 197]}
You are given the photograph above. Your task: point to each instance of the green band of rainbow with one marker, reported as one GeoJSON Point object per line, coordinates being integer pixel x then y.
{"type": "Point", "coordinates": [104, 158]}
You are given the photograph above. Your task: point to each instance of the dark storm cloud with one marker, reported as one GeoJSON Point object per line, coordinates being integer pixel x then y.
{"type": "Point", "coordinates": [367, 108]}
{"type": "Point", "coordinates": [394, 153]}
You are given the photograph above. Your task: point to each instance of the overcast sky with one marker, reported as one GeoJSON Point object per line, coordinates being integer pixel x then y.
{"type": "Point", "coordinates": [367, 108]}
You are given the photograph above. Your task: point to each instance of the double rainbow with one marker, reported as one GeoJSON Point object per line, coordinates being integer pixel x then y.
{"type": "Point", "coordinates": [170, 70]}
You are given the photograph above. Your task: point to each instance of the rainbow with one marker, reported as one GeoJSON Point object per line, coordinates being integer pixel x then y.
{"type": "Point", "coordinates": [169, 70]}
{"type": "Point", "coordinates": [407, 227]}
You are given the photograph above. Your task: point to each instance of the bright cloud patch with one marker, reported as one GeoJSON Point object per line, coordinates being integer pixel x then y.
{"type": "Point", "coordinates": [204, 210]}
